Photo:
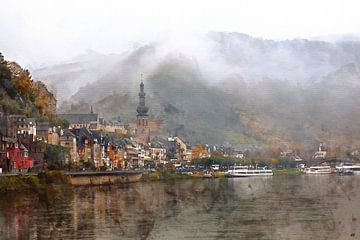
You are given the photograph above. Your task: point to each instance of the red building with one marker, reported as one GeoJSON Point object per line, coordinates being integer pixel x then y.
{"type": "Point", "coordinates": [19, 158]}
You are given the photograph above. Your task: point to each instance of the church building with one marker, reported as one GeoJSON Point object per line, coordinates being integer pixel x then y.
{"type": "Point", "coordinates": [142, 118]}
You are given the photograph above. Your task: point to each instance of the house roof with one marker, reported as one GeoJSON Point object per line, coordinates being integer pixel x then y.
{"type": "Point", "coordinates": [30, 120]}
{"type": "Point", "coordinates": [67, 133]}
{"type": "Point", "coordinates": [82, 132]}
{"type": "Point", "coordinates": [43, 126]}
{"type": "Point", "coordinates": [23, 147]}
{"type": "Point", "coordinates": [80, 118]}
{"type": "Point", "coordinates": [8, 139]}
{"type": "Point", "coordinates": [96, 135]}
{"type": "Point", "coordinates": [93, 126]}
{"type": "Point", "coordinates": [157, 144]}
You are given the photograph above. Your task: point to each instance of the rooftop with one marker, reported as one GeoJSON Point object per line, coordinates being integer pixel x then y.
{"type": "Point", "coordinates": [80, 118]}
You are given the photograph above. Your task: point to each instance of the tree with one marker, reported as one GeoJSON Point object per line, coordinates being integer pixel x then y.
{"type": "Point", "coordinates": [55, 155]}
{"type": "Point", "coordinates": [6, 79]}
{"type": "Point", "coordinates": [274, 162]}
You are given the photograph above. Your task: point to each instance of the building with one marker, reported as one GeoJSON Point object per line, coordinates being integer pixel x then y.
{"type": "Point", "coordinates": [53, 136]}
{"type": "Point", "coordinates": [5, 144]}
{"type": "Point", "coordinates": [36, 149]}
{"type": "Point", "coordinates": [131, 155]}
{"type": "Point", "coordinates": [178, 150]}
{"type": "Point", "coordinates": [321, 153]}
{"type": "Point", "coordinates": [92, 148]}
{"type": "Point", "coordinates": [83, 120]}
{"type": "Point", "coordinates": [142, 133]}
{"type": "Point", "coordinates": [239, 154]}
{"type": "Point", "coordinates": [96, 154]}
{"type": "Point", "coordinates": [158, 153]}
{"type": "Point", "coordinates": [117, 128]}
{"type": "Point", "coordinates": [24, 125]}
{"type": "Point", "coordinates": [199, 151]}
{"type": "Point", "coordinates": [144, 159]}
{"type": "Point", "coordinates": [19, 158]}
{"type": "Point", "coordinates": [8, 126]}
{"type": "Point", "coordinates": [85, 141]}
{"type": "Point", "coordinates": [116, 156]}
{"type": "Point", "coordinates": [42, 130]}
{"type": "Point", "coordinates": [68, 140]}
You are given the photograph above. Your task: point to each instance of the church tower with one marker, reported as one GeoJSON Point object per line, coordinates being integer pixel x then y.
{"type": "Point", "coordinates": [142, 116]}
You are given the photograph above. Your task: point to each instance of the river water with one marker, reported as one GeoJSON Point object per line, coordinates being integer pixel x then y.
{"type": "Point", "coordinates": [278, 207]}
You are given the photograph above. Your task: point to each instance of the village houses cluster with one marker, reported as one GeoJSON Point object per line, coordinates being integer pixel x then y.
{"type": "Point", "coordinates": [92, 142]}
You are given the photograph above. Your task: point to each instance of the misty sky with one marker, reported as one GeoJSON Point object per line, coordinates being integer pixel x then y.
{"type": "Point", "coordinates": [37, 33]}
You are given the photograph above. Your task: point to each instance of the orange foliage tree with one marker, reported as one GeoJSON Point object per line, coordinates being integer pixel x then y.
{"type": "Point", "coordinates": [23, 84]}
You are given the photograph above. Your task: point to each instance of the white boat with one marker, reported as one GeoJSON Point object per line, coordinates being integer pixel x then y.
{"type": "Point", "coordinates": [318, 170]}
{"type": "Point", "coordinates": [356, 169]}
{"type": "Point", "coordinates": [245, 171]}
{"type": "Point", "coordinates": [348, 169]}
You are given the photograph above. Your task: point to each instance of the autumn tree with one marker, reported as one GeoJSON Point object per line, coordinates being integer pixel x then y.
{"type": "Point", "coordinates": [23, 84]}
{"type": "Point", "coordinates": [6, 85]}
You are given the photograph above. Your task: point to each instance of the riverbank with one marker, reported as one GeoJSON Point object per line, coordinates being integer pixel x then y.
{"type": "Point", "coordinates": [163, 174]}
{"type": "Point", "coordinates": [38, 182]}
{"type": "Point", "coordinates": [167, 174]}
{"type": "Point", "coordinates": [288, 171]}
{"type": "Point", "coordinates": [32, 182]}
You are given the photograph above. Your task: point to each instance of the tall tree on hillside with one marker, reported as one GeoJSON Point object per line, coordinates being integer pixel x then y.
{"type": "Point", "coordinates": [23, 84]}
{"type": "Point", "coordinates": [6, 85]}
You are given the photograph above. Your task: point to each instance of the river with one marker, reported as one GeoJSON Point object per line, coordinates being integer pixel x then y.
{"type": "Point", "coordinates": [278, 207]}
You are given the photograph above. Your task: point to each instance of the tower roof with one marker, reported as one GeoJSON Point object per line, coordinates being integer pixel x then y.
{"type": "Point", "coordinates": [142, 109]}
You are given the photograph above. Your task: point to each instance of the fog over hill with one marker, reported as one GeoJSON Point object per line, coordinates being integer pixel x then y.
{"type": "Point", "coordinates": [226, 87]}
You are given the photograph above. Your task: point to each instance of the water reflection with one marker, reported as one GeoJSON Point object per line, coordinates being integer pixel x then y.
{"type": "Point", "coordinates": [281, 207]}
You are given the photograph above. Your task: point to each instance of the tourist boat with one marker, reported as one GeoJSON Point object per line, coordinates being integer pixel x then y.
{"type": "Point", "coordinates": [318, 170]}
{"type": "Point", "coordinates": [356, 169]}
{"type": "Point", "coordinates": [348, 169]}
{"type": "Point", "coordinates": [245, 171]}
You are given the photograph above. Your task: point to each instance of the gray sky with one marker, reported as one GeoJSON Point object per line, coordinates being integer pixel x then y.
{"type": "Point", "coordinates": [42, 32]}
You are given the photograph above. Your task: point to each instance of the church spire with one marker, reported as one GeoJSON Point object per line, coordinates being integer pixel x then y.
{"type": "Point", "coordinates": [142, 109]}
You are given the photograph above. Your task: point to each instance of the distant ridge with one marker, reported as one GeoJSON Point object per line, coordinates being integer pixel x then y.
{"type": "Point", "coordinates": [241, 90]}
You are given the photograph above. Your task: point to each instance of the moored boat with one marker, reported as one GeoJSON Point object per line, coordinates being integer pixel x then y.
{"type": "Point", "coordinates": [318, 170]}
{"type": "Point", "coordinates": [245, 171]}
{"type": "Point", "coordinates": [348, 169]}
{"type": "Point", "coordinates": [208, 175]}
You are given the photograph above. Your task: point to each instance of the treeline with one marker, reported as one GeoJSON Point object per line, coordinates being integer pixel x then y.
{"type": "Point", "coordinates": [279, 162]}
{"type": "Point", "coordinates": [19, 94]}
